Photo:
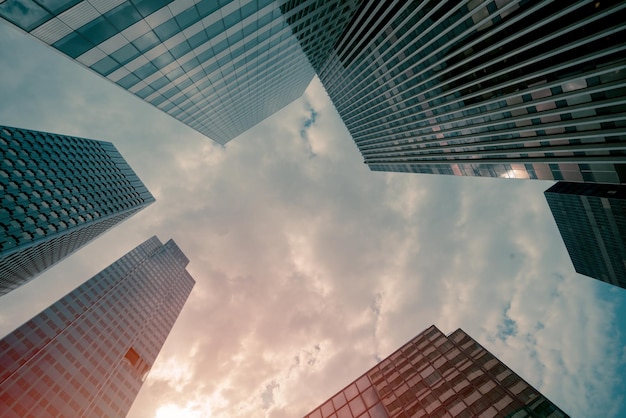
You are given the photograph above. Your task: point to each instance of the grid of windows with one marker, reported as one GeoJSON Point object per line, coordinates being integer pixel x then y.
{"type": "Point", "coordinates": [358, 399]}
{"type": "Point", "coordinates": [57, 193]}
{"type": "Point", "coordinates": [318, 25]}
{"type": "Point", "coordinates": [438, 376]}
{"type": "Point", "coordinates": [592, 221]}
{"type": "Point", "coordinates": [218, 66]}
{"type": "Point", "coordinates": [88, 353]}
{"type": "Point", "coordinates": [497, 88]}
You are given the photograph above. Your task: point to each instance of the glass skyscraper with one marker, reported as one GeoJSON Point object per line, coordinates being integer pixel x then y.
{"type": "Point", "coordinates": [592, 221]}
{"type": "Point", "coordinates": [435, 375]}
{"type": "Point", "coordinates": [496, 88]}
{"type": "Point", "coordinates": [88, 354]}
{"type": "Point", "coordinates": [57, 193]}
{"type": "Point", "coordinates": [220, 67]}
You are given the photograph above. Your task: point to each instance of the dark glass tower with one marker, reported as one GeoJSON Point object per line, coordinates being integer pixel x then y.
{"type": "Point", "coordinates": [434, 375]}
{"type": "Point", "coordinates": [511, 89]}
{"type": "Point", "coordinates": [220, 67]}
{"type": "Point", "coordinates": [88, 354]}
{"type": "Point", "coordinates": [592, 221]}
{"type": "Point", "coordinates": [57, 193]}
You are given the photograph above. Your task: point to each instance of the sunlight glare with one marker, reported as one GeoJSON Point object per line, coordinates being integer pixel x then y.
{"type": "Point", "coordinates": [175, 411]}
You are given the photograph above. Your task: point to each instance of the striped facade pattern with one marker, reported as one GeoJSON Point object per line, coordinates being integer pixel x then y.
{"type": "Point", "coordinates": [496, 88]}
{"type": "Point", "coordinates": [220, 67]}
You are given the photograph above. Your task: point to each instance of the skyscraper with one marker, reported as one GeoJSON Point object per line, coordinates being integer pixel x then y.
{"type": "Point", "coordinates": [592, 221]}
{"type": "Point", "coordinates": [88, 354]}
{"type": "Point", "coordinates": [218, 66]}
{"type": "Point", "coordinates": [57, 193]}
{"type": "Point", "coordinates": [437, 376]}
{"type": "Point", "coordinates": [514, 89]}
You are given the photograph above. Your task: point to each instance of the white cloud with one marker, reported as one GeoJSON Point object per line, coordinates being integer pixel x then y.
{"type": "Point", "coordinates": [176, 373]}
{"type": "Point", "coordinates": [309, 267]}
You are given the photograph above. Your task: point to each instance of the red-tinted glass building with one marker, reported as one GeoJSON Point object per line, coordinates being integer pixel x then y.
{"type": "Point", "coordinates": [435, 375]}
{"type": "Point", "coordinates": [89, 353]}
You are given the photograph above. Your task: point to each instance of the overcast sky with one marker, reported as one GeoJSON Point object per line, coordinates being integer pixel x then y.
{"type": "Point", "coordinates": [309, 267]}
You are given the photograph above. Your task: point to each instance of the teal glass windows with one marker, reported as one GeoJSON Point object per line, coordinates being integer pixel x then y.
{"type": "Point", "coordinates": [58, 193]}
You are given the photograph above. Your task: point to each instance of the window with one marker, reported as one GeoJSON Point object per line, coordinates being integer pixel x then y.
{"type": "Point", "coordinates": [24, 13]}
{"type": "Point", "coordinates": [132, 356]}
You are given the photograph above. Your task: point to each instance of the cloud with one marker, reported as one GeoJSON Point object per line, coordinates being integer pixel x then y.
{"type": "Point", "coordinates": [267, 396]}
{"type": "Point", "coordinates": [507, 328]}
{"type": "Point", "coordinates": [310, 270]}
{"type": "Point", "coordinates": [175, 373]}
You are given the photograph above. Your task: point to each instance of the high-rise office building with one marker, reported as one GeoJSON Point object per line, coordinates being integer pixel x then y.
{"type": "Point", "coordinates": [496, 88]}
{"type": "Point", "coordinates": [88, 354]}
{"type": "Point", "coordinates": [218, 66]}
{"type": "Point", "coordinates": [592, 221]}
{"type": "Point", "coordinates": [435, 375]}
{"type": "Point", "coordinates": [57, 193]}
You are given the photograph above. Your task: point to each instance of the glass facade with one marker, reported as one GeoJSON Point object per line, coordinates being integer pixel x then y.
{"type": "Point", "coordinates": [57, 193]}
{"type": "Point", "coordinates": [220, 67]}
{"type": "Point", "coordinates": [592, 221]}
{"type": "Point", "coordinates": [88, 354]}
{"type": "Point", "coordinates": [435, 375]}
{"type": "Point", "coordinates": [496, 88]}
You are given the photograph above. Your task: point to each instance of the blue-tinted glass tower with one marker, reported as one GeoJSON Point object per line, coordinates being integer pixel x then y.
{"type": "Point", "coordinates": [592, 221]}
{"type": "Point", "coordinates": [495, 88]}
{"type": "Point", "coordinates": [57, 193]}
{"type": "Point", "coordinates": [220, 67]}
{"type": "Point", "coordinates": [88, 354]}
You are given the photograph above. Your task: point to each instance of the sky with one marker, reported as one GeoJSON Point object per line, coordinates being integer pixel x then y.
{"type": "Point", "coordinates": [309, 267]}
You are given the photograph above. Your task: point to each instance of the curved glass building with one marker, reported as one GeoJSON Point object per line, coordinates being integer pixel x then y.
{"type": "Point", "coordinates": [58, 193]}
